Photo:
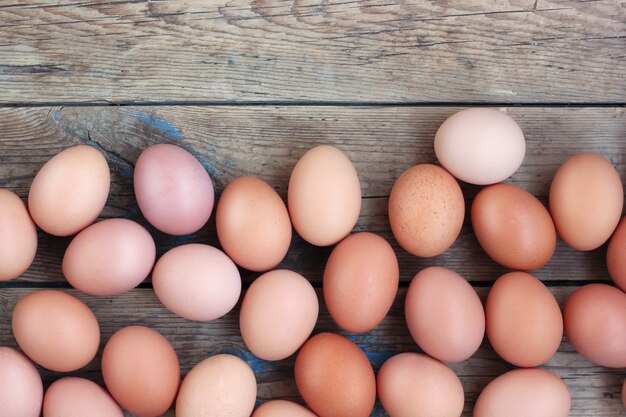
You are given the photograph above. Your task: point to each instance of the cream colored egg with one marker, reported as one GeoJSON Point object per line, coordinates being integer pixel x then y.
{"type": "Point", "coordinates": [79, 397]}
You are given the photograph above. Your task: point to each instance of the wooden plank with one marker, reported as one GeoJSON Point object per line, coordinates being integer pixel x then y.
{"type": "Point", "coordinates": [301, 50]}
{"type": "Point", "coordinates": [595, 390]}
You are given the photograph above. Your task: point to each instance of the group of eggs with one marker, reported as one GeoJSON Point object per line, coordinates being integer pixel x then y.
{"type": "Point", "coordinates": [445, 316]}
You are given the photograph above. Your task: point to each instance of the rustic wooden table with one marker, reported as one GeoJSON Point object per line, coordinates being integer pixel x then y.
{"type": "Point", "coordinates": [250, 85]}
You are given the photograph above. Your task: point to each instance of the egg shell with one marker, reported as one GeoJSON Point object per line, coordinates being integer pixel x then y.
{"type": "Point", "coordinates": [109, 257]}
{"type": "Point", "coordinates": [480, 145]}
{"type": "Point", "coordinates": [334, 377]}
{"type": "Point", "coordinates": [595, 324]}
{"type": "Point", "coordinates": [513, 227]}
{"type": "Point", "coordinates": [524, 321]}
{"type": "Point", "coordinates": [586, 200]}
{"type": "Point", "coordinates": [56, 330]}
{"type": "Point", "coordinates": [360, 281]}
{"type": "Point", "coordinates": [324, 196]}
{"type": "Point", "coordinates": [70, 190]}
{"type": "Point", "coordinates": [79, 397]}
{"type": "Point", "coordinates": [21, 390]}
{"type": "Point", "coordinates": [278, 314]}
{"type": "Point", "coordinates": [523, 393]}
{"type": "Point", "coordinates": [140, 369]}
{"type": "Point", "coordinates": [174, 192]}
{"type": "Point", "coordinates": [253, 224]}
{"type": "Point", "coordinates": [444, 314]}
{"type": "Point", "coordinates": [282, 408]}
{"type": "Point", "coordinates": [616, 255]}
{"type": "Point", "coordinates": [416, 385]}
{"type": "Point", "coordinates": [426, 210]}
{"type": "Point", "coordinates": [18, 236]}
{"type": "Point", "coordinates": [624, 394]}
{"type": "Point", "coordinates": [219, 386]}
{"type": "Point", "coordinates": [197, 282]}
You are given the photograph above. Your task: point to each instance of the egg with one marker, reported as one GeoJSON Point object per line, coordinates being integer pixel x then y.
{"type": "Point", "coordinates": [18, 236]}
{"type": "Point", "coordinates": [56, 330]}
{"type": "Point", "coordinates": [324, 196]}
{"type": "Point", "coordinates": [219, 386]}
{"type": "Point", "coordinates": [282, 408]}
{"type": "Point", "coordinates": [523, 393]}
{"type": "Point", "coordinates": [253, 224]}
{"type": "Point", "coordinates": [21, 390]}
{"type": "Point", "coordinates": [513, 227]}
{"type": "Point", "coordinates": [140, 369]}
{"type": "Point", "coordinates": [480, 145]}
{"type": "Point", "coordinates": [360, 281]}
{"type": "Point", "coordinates": [78, 397]}
{"type": "Point", "coordinates": [624, 394]}
{"type": "Point", "coordinates": [70, 190]}
{"type": "Point", "coordinates": [524, 322]}
{"type": "Point", "coordinates": [426, 210]}
{"type": "Point", "coordinates": [174, 192]}
{"type": "Point", "coordinates": [109, 257]}
{"type": "Point", "coordinates": [444, 314]}
{"type": "Point", "coordinates": [586, 200]}
{"type": "Point", "coordinates": [197, 282]}
{"type": "Point", "coordinates": [334, 377]}
{"type": "Point", "coordinates": [278, 314]}
{"type": "Point", "coordinates": [595, 324]}
{"type": "Point", "coordinates": [415, 385]}
{"type": "Point", "coordinates": [616, 255]}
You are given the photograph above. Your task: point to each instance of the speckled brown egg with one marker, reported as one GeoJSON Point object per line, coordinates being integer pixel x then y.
{"type": "Point", "coordinates": [426, 210]}
{"type": "Point", "coordinates": [18, 236]}
{"type": "Point", "coordinates": [616, 255]}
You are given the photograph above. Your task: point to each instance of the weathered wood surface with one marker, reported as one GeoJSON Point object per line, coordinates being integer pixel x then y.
{"type": "Point", "coordinates": [509, 51]}
{"type": "Point", "coordinates": [596, 391]}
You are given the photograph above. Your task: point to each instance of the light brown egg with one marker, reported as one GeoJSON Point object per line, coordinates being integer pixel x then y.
{"type": "Point", "coordinates": [253, 224]}
{"type": "Point", "coordinates": [360, 281]}
{"type": "Point", "coordinates": [513, 227]}
{"type": "Point", "coordinates": [426, 210]}
{"type": "Point", "coordinates": [70, 190]}
{"type": "Point", "coordinates": [595, 324]}
{"type": "Point", "coordinates": [21, 390]}
{"type": "Point", "coordinates": [334, 377]}
{"type": "Point", "coordinates": [524, 322]}
{"type": "Point", "coordinates": [278, 314]}
{"type": "Point", "coordinates": [282, 408]}
{"type": "Point", "coordinates": [586, 200]}
{"type": "Point", "coordinates": [324, 196]}
{"type": "Point", "coordinates": [415, 385]}
{"type": "Point", "coordinates": [56, 330]}
{"type": "Point", "coordinates": [78, 397]}
{"type": "Point", "coordinates": [444, 314]}
{"type": "Point", "coordinates": [140, 370]}
{"type": "Point", "coordinates": [616, 255]}
{"type": "Point", "coordinates": [219, 386]}
{"type": "Point", "coordinates": [18, 236]}
{"type": "Point", "coordinates": [524, 393]}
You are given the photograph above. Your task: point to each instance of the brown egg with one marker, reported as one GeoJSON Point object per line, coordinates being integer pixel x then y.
{"type": "Point", "coordinates": [18, 236]}
{"type": "Point", "coordinates": [624, 394]}
{"type": "Point", "coordinates": [219, 386]}
{"type": "Point", "coordinates": [140, 370]}
{"type": "Point", "coordinates": [324, 196]}
{"type": "Point", "coordinates": [524, 393]}
{"type": "Point", "coordinates": [361, 281]}
{"type": "Point", "coordinates": [335, 377]}
{"type": "Point", "coordinates": [21, 390]}
{"type": "Point", "coordinates": [444, 314]}
{"type": "Point", "coordinates": [415, 385]}
{"type": "Point", "coordinates": [586, 200]}
{"type": "Point", "coordinates": [253, 224]}
{"type": "Point", "coordinates": [616, 255]}
{"type": "Point", "coordinates": [426, 210]}
{"type": "Point", "coordinates": [78, 397]}
{"type": "Point", "coordinates": [282, 408]}
{"type": "Point", "coordinates": [524, 322]}
{"type": "Point", "coordinates": [70, 190]}
{"type": "Point", "coordinates": [595, 323]}
{"type": "Point", "coordinates": [513, 227]}
{"type": "Point", "coordinates": [56, 330]}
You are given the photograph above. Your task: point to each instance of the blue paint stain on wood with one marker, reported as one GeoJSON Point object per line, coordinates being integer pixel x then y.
{"type": "Point", "coordinates": [162, 125]}
{"type": "Point", "coordinates": [365, 342]}
{"type": "Point", "coordinates": [257, 365]}
{"type": "Point", "coordinates": [231, 62]}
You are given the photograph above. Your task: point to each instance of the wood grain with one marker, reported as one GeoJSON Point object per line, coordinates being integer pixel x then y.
{"type": "Point", "coordinates": [507, 51]}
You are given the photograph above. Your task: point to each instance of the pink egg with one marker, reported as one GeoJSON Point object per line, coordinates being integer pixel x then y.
{"type": "Point", "coordinates": [21, 391]}
{"type": "Point", "coordinates": [173, 190]}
